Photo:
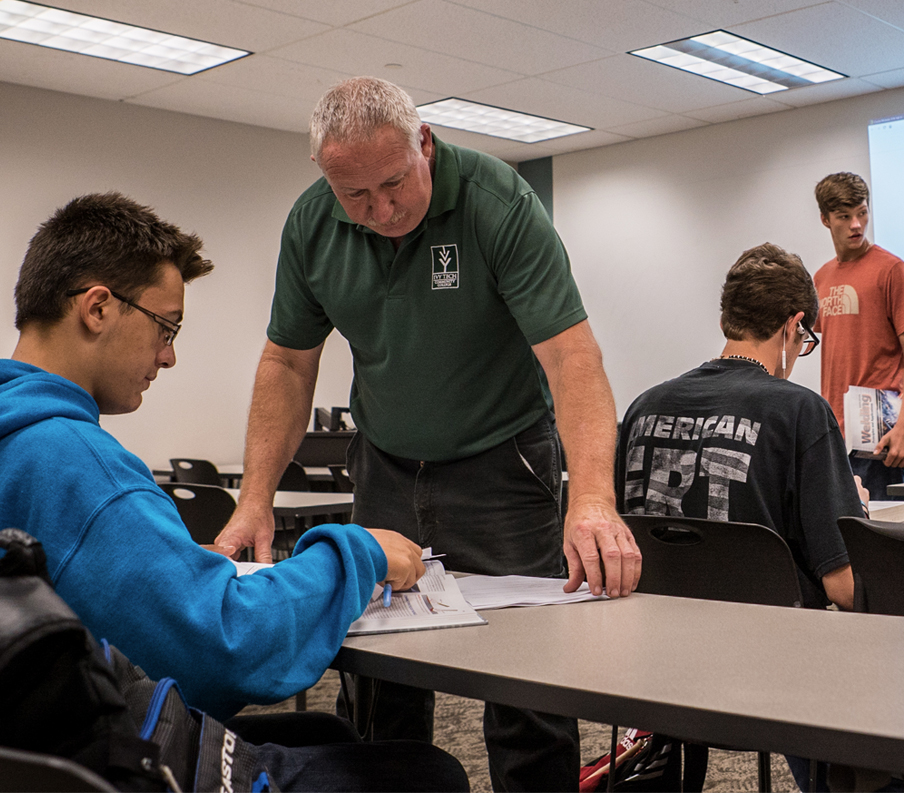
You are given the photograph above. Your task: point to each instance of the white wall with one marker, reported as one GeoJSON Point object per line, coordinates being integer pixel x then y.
{"type": "Point", "coordinates": [232, 184]}
{"type": "Point", "coordinates": [653, 225]}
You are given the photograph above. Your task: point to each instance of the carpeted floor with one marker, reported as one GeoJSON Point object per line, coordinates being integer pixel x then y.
{"type": "Point", "coordinates": [458, 730]}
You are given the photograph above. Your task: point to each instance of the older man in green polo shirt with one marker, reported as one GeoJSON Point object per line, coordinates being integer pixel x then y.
{"type": "Point", "coordinates": [443, 271]}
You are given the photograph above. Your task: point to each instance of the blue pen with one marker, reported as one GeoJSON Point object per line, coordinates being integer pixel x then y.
{"type": "Point", "coordinates": [387, 595]}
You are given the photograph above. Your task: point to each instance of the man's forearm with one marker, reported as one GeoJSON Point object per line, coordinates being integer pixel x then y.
{"type": "Point", "coordinates": [279, 415]}
{"type": "Point", "coordinates": [585, 416]}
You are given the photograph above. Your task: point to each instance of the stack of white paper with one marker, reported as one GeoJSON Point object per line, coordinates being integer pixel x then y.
{"type": "Point", "coordinates": [499, 592]}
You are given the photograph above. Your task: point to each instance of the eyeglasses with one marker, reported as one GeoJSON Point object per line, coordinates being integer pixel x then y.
{"type": "Point", "coordinates": [810, 341]}
{"type": "Point", "coordinates": [170, 329]}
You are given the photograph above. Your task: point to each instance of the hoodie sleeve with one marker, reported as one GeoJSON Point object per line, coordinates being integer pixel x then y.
{"type": "Point", "coordinates": [139, 580]}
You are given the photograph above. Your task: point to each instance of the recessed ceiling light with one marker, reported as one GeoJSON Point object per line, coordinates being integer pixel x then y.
{"type": "Point", "coordinates": [392, 65]}
{"type": "Point", "coordinates": [739, 62]}
{"type": "Point", "coordinates": [495, 121]}
{"type": "Point", "coordinates": [103, 38]}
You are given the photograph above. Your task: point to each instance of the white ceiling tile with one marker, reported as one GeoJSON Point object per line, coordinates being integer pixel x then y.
{"type": "Point", "coordinates": [275, 77]}
{"type": "Point", "coordinates": [890, 11]}
{"type": "Point", "coordinates": [892, 79]}
{"type": "Point", "coordinates": [471, 35]}
{"type": "Point", "coordinates": [223, 22]}
{"type": "Point", "coordinates": [571, 50]}
{"type": "Point", "coordinates": [827, 92]}
{"type": "Point", "coordinates": [231, 103]}
{"type": "Point", "coordinates": [356, 54]}
{"type": "Point", "coordinates": [630, 78]}
{"type": "Point", "coordinates": [618, 26]}
{"type": "Point", "coordinates": [40, 67]}
{"type": "Point", "coordinates": [832, 35]}
{"type": "Point", "coordinates": [586, 140]}
{"type": "Point", "coordinates": [720, 13]}
{"type": "Point", "coordinates": [755, 106]}
{"type": "Point", "coordinates": [563, 103]}
{"type": "Point", "coordinates": [330, 12]}
{"type": "Point", "coordinates": [658, 126]}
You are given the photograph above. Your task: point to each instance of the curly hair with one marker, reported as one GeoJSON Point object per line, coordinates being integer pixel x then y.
{"type": "Point", "coordinates": [764, 287]}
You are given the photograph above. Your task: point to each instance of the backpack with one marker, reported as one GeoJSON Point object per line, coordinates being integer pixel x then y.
{"type": "Point", "coordinates": [63, 694]}
{"type": "Point", "coordinates": [647, 761]}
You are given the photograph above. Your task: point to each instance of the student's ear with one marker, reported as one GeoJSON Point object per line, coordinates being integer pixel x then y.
{"type": "Point", "coordinates": [825, 221]}
{"type": "Point", "coordinates": [95, 307]}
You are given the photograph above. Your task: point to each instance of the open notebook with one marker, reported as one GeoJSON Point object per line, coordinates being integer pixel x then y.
{"type": "Point", "coordinates": [434, 602]}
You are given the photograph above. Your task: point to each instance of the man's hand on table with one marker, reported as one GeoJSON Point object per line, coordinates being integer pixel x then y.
{"type": "Point", "coordinates": [593, 531]}
{"type": "Point", "coordinates": [251, 526]}
{"type": "Point", "coordinates": [403, 557]}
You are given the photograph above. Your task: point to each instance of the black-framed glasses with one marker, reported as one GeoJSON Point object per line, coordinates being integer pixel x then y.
{"type": "Point", "coordinates": [811, 342]}
{"type": "Point", "coordinates": [170, 329]}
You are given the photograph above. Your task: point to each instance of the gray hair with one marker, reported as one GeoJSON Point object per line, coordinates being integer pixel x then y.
{"type": "Point", "coordinates": [353, 111]}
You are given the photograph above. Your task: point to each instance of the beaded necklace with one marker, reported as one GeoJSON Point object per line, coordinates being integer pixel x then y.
{"type": "Point", "coordinates": [744, 358]}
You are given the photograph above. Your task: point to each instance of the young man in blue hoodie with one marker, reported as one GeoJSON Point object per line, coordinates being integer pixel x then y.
{"type": "Point", "coordinates": [99, 303]}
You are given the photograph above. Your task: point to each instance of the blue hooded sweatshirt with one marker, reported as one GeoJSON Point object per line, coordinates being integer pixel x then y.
{"type": "Point", "coordinates": [121, 557]}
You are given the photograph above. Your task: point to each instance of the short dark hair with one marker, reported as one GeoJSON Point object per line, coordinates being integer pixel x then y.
{"type": "Point", "coordinates": [105, 238]}
{"type": "Point", "coordinates": [840, 191]}
{"type": "Point", "coordinates": [764, 287]}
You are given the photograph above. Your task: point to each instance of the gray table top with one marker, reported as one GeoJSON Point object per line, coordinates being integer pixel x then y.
{"type": "Point", "coordinates": [814, 683]}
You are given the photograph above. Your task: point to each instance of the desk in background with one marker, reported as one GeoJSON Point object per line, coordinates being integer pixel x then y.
{"type": "Point", "coordinates": [231, 474]}
{"type": "Point", "coordinates": [292, 504]}
{"type": "Point", "coordinates": [813, 683]}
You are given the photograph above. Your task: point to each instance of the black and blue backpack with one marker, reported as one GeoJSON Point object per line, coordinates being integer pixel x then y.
{"type": "Point", "coordinates": [63, 695]}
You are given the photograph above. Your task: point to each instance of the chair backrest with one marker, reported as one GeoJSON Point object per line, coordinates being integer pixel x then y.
{"type": "Point", "coordinates": [294, 478]}
{"type": "Point", "coordinates": [204, 509]}
{"type": "Point", "coordinates": [21, 770]}
{"type": "Point", "coordinates": [330, 420]}
{"type": "Point", "coordinates": [340, 479]}
{"type": "Point", "coordinates": [714, 560]}
{"type": "Point", "coordinates": [324, 448]}
{"type": "Point", "coordinates": [876, 551]}
{"type": "Point", "coordinates": [199, 472]}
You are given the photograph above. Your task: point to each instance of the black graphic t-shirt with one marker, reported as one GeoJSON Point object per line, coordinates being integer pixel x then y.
{"type": "Point", "coordinates": [726, 441]}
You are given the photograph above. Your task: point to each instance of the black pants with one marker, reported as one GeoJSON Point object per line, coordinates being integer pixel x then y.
{"type": "Point", "coordinates": [496, 513]}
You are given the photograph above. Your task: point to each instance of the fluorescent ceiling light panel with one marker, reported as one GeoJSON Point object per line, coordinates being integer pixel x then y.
{"type": "Point", "coordinates": [104, 38]}
{"type": "Point", "coordinates": [495, 121]}
{"type": "Point", "coordinates": [739, 62]}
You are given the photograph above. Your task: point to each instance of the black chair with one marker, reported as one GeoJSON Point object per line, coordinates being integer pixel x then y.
{"type": "Point", "coordinates": [289, 530]}
{"type": "Point", "coordinates": [294, 478]}
{"type": "Point", "coordinates": [21, 770]}
{"type": "Point", "coordinates": [340, 479]}
{"type": "Point", "coordinates": [204, 509]}
{"type": "Point", "coordinates": [197, 472]}
{"type": "Point", "coordinates": [876, 550]}
{"type": "Point", "coordinates": [716, 560]}
{"type": "Point", "coordinates": [324, 448]}
{"type": "Point", "coordinates": [330, 420]}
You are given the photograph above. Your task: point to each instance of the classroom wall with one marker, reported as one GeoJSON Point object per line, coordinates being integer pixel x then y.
{"type": "Point", "coordinates": [233, 184]}
{"type": "Point", "coordinates": [653, 225]}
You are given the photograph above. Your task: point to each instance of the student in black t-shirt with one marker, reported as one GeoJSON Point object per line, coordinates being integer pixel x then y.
{"type": "Point", "coordinates": [734, 440]}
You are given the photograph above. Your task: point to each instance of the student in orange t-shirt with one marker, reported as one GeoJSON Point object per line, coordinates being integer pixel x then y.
{"type": "Point", "coordinates": [861, 318]}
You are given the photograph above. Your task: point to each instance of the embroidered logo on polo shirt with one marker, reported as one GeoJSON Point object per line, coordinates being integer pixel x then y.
{"type": "Point", "coordinates": [445, 266]}
{"type": "Point", "coordinates": [840, 300]}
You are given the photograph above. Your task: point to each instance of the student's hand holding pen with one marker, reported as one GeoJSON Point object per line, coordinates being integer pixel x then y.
{"type": "Point", "coordinates": [403, 559]}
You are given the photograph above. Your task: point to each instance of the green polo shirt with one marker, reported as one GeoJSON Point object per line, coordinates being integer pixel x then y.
{"type": "Point", "coordinates": [440, 331]}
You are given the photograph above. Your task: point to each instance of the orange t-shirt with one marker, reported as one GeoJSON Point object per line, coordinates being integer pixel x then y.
{"type": "Point", "coordinates": [861, 316]}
